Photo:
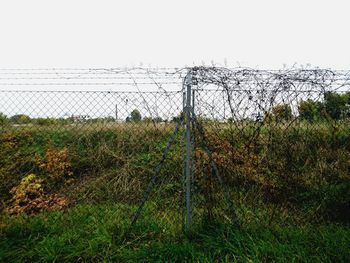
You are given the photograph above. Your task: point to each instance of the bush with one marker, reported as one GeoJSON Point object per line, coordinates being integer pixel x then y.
{"type": "Point", "coordinates": [3, 119]}
{"type": "Point", "coordinates": [29, 197]}
{"type": "Point", "coordinates": [282, 112]}
{"type": "Point", "coordinates": [56, 163]}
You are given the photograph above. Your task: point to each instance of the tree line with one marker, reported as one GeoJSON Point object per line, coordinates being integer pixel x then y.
{"type": "Point", "coordinates": [134, 117]}
{"type": "Point", "coordinates": [335, 106]}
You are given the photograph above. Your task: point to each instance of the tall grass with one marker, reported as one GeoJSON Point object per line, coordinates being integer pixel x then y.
{"type": "Point", "coordinates": [290, 186]}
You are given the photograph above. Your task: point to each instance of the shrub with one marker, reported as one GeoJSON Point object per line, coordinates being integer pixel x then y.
{"type": "Point", "coordinates": [29, 197]}
{"type": "Point", "coordinates": [282, 112]}
{"type": "Point", "coordinates": [56, 163]}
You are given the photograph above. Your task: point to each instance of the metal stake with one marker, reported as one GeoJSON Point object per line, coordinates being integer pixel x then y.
{"type": "Point", "coordinates": [188, 151]}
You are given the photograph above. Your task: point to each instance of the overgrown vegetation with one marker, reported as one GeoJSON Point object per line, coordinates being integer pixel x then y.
{"type": "Point", "coordinates": [68, 193]}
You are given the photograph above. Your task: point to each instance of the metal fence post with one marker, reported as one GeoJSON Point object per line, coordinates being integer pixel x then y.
{"type": "Point", "coordinates": [188, 150]}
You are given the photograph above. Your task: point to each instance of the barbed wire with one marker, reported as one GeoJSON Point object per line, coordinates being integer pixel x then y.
{"type": "Point", "coordinates": [80, 83]}
{"type": "Point", "coordinates": [203, 75]}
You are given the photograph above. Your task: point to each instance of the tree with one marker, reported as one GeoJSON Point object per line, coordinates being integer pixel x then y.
{"type": "Point", "coordinates": [20, 118]}
{"type": "Point", "coordinates": [135, 116]}
{"type": "Point", "coordinates": [336, 105]}
{"type": "Point", "coordinates": [282, 112]}
{"type": "Point", "coordinates": [3, 119]}
{"type": "Point", "coordinates": [311, 110]}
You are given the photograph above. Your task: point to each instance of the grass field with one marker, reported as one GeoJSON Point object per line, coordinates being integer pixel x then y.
{"type": "Point", "coordinates": [68, 195]}
{"type": "Point", "coordinates": [96, 233]}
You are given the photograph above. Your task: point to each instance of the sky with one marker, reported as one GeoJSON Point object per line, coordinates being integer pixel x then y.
{"type": "Point", "coordinates": [101, 33]}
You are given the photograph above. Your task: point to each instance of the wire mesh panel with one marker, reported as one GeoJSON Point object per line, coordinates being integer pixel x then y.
{"type": "Point", "coordinates": [90, 137]}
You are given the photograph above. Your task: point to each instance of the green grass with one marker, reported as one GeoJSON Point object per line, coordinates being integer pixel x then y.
{"type": "Point", "coordinates": [100, 233]}
{"type": "Point", "coordinates": [291, 189]}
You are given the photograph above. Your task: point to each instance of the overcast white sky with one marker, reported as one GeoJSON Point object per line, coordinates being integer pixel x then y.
{"type": "Point", "coordinates": [101, 33]}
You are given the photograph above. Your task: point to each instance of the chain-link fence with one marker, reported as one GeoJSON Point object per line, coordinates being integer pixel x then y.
{"type": "Point", "coordinates": [282, 133]}
{"type": "Point", "coordinates": [178, 147]}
